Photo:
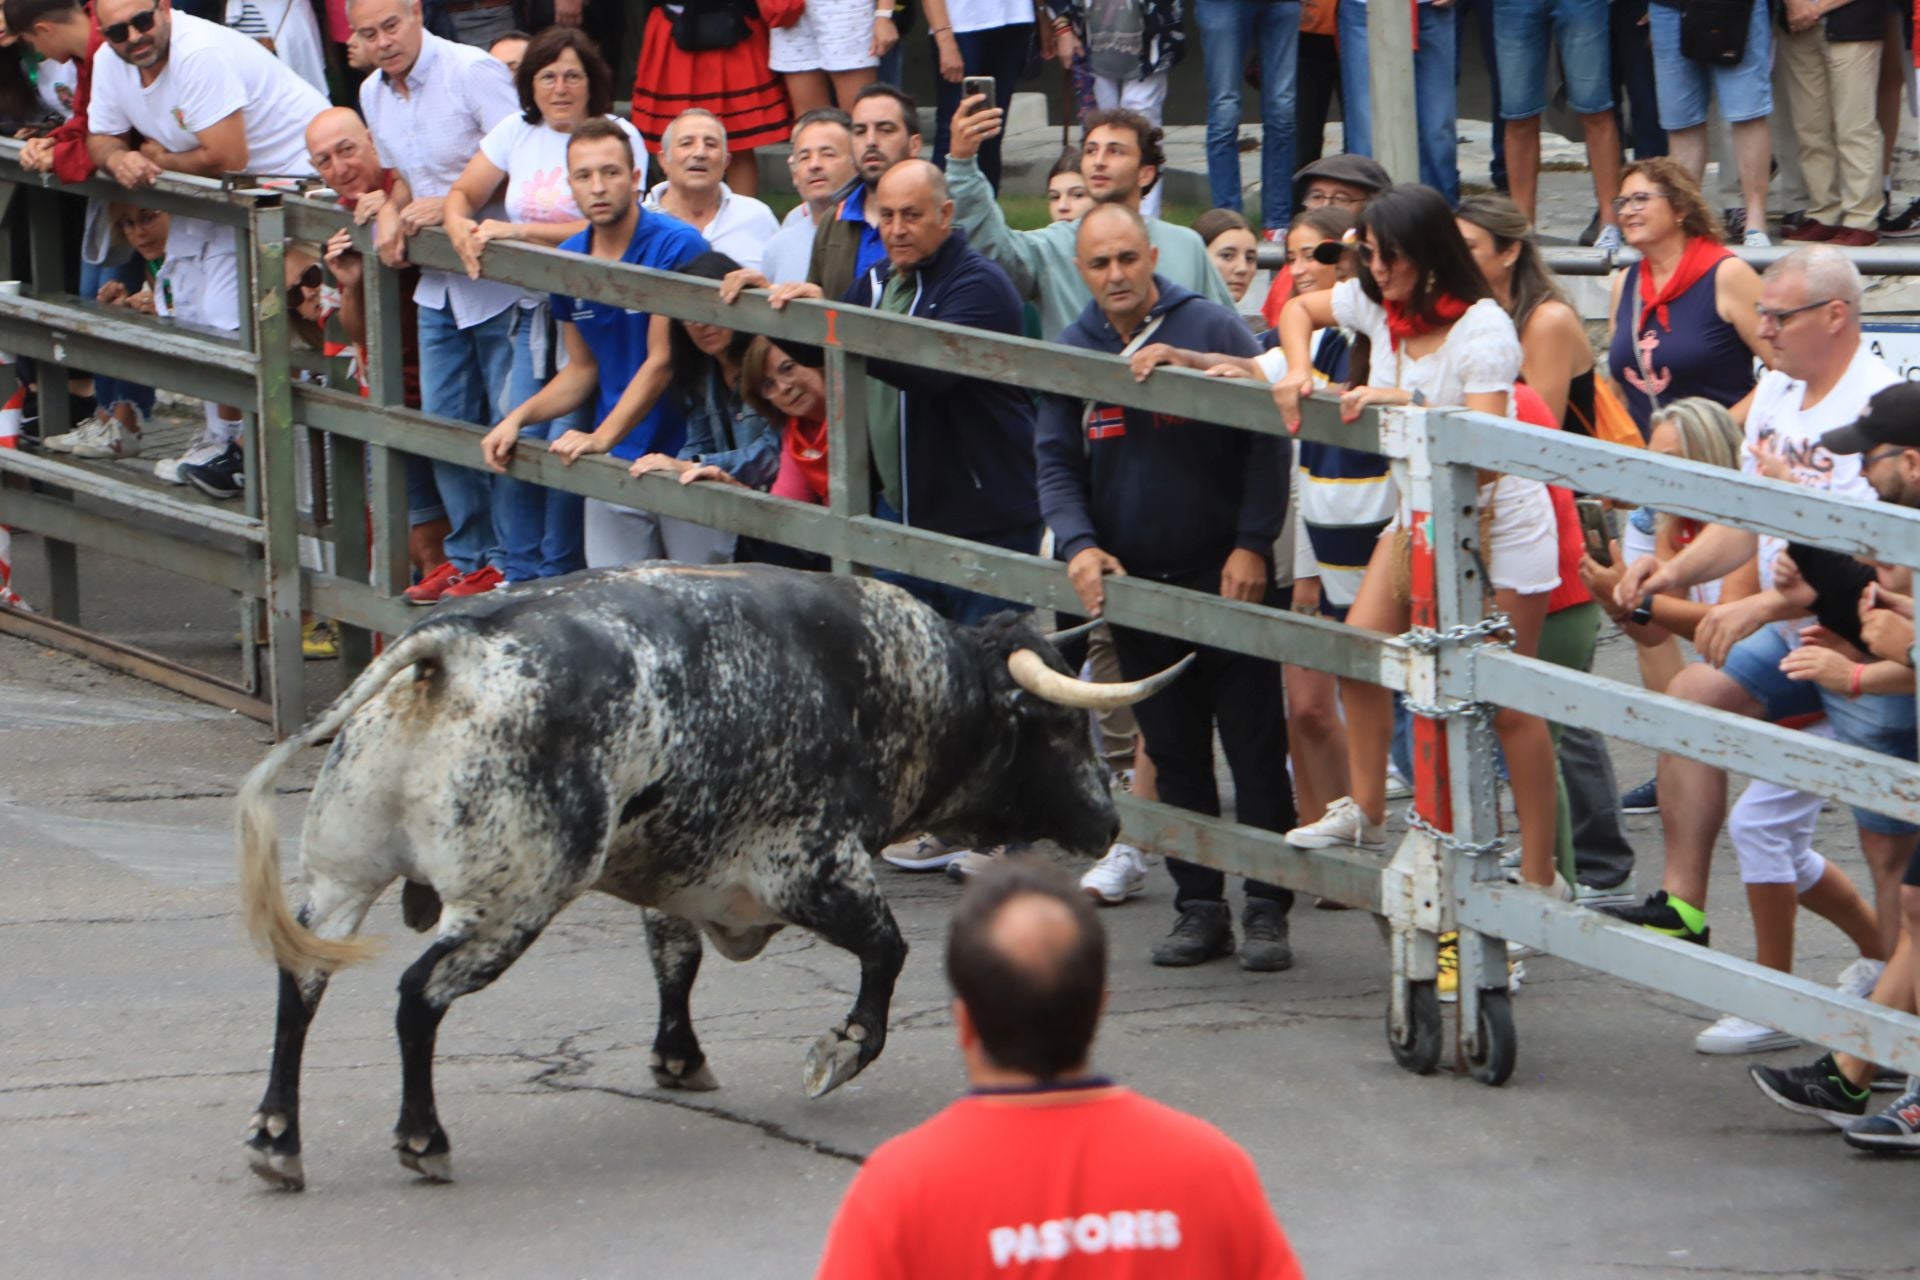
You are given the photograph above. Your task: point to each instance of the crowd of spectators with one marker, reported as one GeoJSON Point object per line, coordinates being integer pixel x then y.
{"type": "Point", "coordinates": [1392, 294]}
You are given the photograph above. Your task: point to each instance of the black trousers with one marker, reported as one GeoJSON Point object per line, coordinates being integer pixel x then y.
{"type": "Point", "coordinates": [1319, 81]}
{"type": "Point", "coordinates": [1241, 697]}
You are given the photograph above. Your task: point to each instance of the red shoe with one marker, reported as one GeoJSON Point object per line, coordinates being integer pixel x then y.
{"type": "Point", "coordinates": [430, 588]}
{"type": "Point", "coordinates": [477, 583]}
{"type": "Point", "coordinates": [1809, 232]}
{"type": "Point", "coordinates": [1854, 237]}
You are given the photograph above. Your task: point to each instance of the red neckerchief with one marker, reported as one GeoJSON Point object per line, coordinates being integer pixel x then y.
{"type": "Point", "coordinates": [1700, 257]}
{"type": "Point", "coordinates": [1403, 324]}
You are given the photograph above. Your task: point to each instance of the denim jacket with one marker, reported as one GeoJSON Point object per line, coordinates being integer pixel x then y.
{"type": "Point", "coordinates": [723, 431]}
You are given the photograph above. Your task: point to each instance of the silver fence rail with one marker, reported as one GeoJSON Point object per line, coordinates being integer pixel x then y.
{"type": "Point", "coordinates": [1435, 880]}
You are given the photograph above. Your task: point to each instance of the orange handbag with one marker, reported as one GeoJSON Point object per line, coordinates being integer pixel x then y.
{"type": "Point", "coordinates": [1611, 421]}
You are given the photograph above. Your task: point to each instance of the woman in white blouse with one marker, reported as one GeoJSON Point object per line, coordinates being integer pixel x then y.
{"type": "Point", "coordinates": [516, 188]}
{"type": "Point", "coordinates": [1437, 338]}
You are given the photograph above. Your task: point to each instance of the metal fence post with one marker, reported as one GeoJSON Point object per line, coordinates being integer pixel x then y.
{"type": "Point", "coordinates": [386, 385]}
{"type": "Point", "coordinates": [1462, 596]}
{"type": "Point", "coordinates": [46, 218]}
{"type": "Point", "coordinates": [849, 488]}
{"type": "Point", "coordinates": [276, 460]}
{"type": "Point", "coordinates": [1395, 119]}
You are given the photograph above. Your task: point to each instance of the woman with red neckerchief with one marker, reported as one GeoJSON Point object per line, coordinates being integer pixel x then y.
{"type": "Point", "coordinates": [1437, 337]}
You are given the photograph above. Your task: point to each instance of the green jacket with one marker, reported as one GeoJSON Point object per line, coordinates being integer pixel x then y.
{"type": "Point", "coordinates": [1041, 261]}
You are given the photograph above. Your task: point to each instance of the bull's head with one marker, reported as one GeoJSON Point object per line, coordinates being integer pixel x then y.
{"type": "Point", "coordinates": [1048, 782]}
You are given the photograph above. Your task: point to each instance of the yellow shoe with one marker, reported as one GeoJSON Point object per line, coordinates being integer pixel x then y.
{"type": "Point", "coordinates": [318, 642]}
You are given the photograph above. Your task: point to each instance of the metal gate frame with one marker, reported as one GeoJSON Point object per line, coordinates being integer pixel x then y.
{"type": "Point", "coordinates": [1443, 876]}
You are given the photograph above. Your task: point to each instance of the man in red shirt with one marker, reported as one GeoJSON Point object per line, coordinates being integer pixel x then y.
{"type": "Point", "coordinates": [1067, 1174]}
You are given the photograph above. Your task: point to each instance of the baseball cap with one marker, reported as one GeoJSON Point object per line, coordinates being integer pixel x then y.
{"type": "Point", "coordinates": [1892, 417]}
{"type": "Point", "coordinates": [1360, 171]}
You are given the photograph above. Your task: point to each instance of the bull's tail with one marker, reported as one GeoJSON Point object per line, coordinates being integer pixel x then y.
{"type": "Point", "coordinates": [272, 926]}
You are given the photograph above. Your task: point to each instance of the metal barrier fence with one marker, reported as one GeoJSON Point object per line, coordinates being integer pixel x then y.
{"type": "Point", "coordinates": [1440, 877]}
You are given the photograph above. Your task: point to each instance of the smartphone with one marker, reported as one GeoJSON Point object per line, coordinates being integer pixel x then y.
{"type": "Point", "coordinates": [1593, 527]}
{"type": "Point", "coordinates": [973, 85]}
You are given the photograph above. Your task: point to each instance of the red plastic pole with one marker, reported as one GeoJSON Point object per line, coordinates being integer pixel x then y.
{"type": "Point", "coordinates": [1431, 793]}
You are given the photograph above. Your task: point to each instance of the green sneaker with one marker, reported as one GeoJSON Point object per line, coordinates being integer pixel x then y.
{"type": "Point", "coordinates": [1668, 915]}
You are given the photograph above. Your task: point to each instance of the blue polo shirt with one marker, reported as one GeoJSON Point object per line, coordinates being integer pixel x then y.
{"type": "Point", "coordinates": [618, 338]}
{"type": "Point", "coordinates": [872, 248]}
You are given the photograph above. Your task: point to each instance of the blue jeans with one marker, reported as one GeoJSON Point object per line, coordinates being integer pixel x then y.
{"type": "Point", "coordinates": [1882, 722]}
{"type": "Point", "coordinates": [1481, 12]}
{"type": "Point", "coordinates": [109, 392]}
{"type": "Point", "coordinates": [1633, 85]}
{"type": "Point", "coordinates": [1684, 86]}
{"type": "Point", "coordinates": [1228, 30]}
{"type": "Point", "coordinates": [463, 376]}
{"type": "Point", "coordinates": [1000, 52]}
{"type": "Point", "coordinates": [1527, 32]}
{"type": "Point", "coordinates": [1435, 93]}
{"type": "Point", "coordinates": [540, 528]}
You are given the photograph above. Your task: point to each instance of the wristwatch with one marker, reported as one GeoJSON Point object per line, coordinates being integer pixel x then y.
{"type": "Point", "coordinates": [1642, 614]}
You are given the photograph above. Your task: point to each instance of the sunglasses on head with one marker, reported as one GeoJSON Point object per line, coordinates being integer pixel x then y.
{"type": "Point", "coordinates": [120, 32]}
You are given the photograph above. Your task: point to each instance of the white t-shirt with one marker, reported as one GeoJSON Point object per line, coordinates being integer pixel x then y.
{"type": "Point", "coordinates": [1481, 354]}
{"type": "Point", "coordinates": [786, 257]}
{"type": "Point", "coordinates": [211, 73]}
{"type": "Point", "coordinates": [55, 81]}
{"type": "Point", "coordinates": [292, 27]}
{"type": "Point", "coordinates": [983, 15]}
{"type": "Point", "coordinates": [1794, 433]}
{"type": "Point", "coordinates": [534, 158]}
{"type": "Point", "coordinates": [740, 229]}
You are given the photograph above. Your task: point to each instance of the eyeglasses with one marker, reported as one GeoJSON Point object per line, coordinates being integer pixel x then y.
{"type": "Point", "coordinates": [1339, 199]}
{"type": "Point", "coordinates": [345, 150]}
{"type": "Point", "coordinates": [550, 77]}
{"type": "Point", "coordinates": [1780, 317]}
{"type": "Point", "coordinates": [1327, 252]}
{"type": "Point", "coordinates": [137, 218]}
{"type": "Point", "coordinates": [309, 279]}
{"type": "Point", "coordinates": [1637, 201]}
{"type": "Point", "coordinates": [1881, 455]}
{"type": "Point", "coordinates": [121, 32]}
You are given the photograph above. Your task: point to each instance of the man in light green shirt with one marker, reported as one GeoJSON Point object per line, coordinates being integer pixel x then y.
{"type": "Point", "coordinates": [1120, 160]}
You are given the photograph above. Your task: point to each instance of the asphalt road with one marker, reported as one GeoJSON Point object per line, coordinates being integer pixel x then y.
{"type": "Point", "coordinates": [135, 1023]}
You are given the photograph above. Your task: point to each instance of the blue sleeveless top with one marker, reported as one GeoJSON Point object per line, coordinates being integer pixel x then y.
{"type": "Point", "coordinates": [1700, 355]}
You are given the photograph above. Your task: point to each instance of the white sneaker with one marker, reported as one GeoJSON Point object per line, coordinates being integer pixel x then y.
{"type": "Point", "coordinates": [1860, 978]}
{"type": "Point", "coordinates": [205, 448]}
{"type": "Point", "coordinates": [1342, 824]}
{"type": "Point", "coordinates": [972, 862]}
{"type": "Point", "coordinates": [1122, 874]}
{"type": "Point", "coordinates": [1608, 241]}
{"type": "Point", "coordinates": [1736, 1035]}
{"type": "Point", "coordinates": [1755, 239]}
{"type": "Point", "coordinates": [64, 442]}
{"type": "Point", "coordinates": [922, 853]}
{"type": "Point", "coordinates": [1398, 788]}
{"type": "Point", "coordinates": [106, 438]}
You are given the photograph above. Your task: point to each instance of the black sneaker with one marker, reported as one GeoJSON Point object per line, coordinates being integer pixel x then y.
{"type": "Point", "coordinates": [1895, 1131]}
{"type": "Point", "coordinates": [1904, 225]}
{"type": "Point", "coordinates": [1644, 798]}
{"type": "Point", "coordinates": [1888, 1080]}
{"type": "Point", "coordinates": [1263, 945]}
{"type": "Point", "coordinates": [1592, 232]}
{"type": "Point", "coordinates": [1659, 915]}
{"type": "Point", "coordinates": [223, 477]}
{"type": "Point", "coordinates": [1819, 1090]}
{"type": "Point", "coordinates": [1203, 932]}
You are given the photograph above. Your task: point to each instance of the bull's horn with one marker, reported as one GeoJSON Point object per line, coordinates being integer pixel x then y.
{"type": "Point", "coordinates": [1032, 673]}
{"type": "Point", "coordinates": [1058, 638]}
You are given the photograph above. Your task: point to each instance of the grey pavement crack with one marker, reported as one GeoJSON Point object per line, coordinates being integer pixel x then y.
{"type": "Point", "coordinates": [566, 1061]}
{"type": "Point", "coordinates": [212, 915]}
{"type": "Point", "coordinates": [224, 793]}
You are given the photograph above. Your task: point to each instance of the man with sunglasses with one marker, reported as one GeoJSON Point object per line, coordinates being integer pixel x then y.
{"type": "Point", "coordinates": [175, 94]}
{"type": "Point", "coordinates": [1823, 378]}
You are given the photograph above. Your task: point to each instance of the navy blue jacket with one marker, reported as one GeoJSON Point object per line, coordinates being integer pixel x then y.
{"type": "Point", "coordinates": [1168, 496]}
{"type": "Point", "coordinates": [966, 448]}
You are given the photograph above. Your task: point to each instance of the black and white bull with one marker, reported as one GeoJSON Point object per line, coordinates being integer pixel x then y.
{"type": "Point", "coordinates": [722, 747]}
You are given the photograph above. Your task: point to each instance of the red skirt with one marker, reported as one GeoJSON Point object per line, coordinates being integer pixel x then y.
{"type": "Point", "coordinates": [735, 84]}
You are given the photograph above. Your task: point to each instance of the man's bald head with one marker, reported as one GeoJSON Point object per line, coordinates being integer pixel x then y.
{"type": "Point", "coordinates": [1028, 959]}
{"type": "Point", "coordinates": [1116, 259]}
{"type": "Point", "coordinates": [913, 211]}
{"type": "Point", "coordinates": [343, 153]}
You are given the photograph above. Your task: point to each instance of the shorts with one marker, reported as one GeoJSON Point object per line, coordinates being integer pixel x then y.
{"type": "Point", "coordinates": [1682, 85]}
{"type": "Point", "coordinates": [832, 35]}
{"type": "Point", "coordinates": [1525, 33]}
{"type": "Point", "coordinates": [1523, 547]}
{"type": "Point", "coordinates": [1771, 829]}
{"type": "Point", "coordinates": [1880, 722]}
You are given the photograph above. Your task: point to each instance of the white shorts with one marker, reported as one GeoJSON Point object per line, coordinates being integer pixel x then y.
{"type": "Point", "coordinates": [1771, 828]}
{"type": "Point", "coordinates": [832, 35]}
{"type": "Point", "coordinates": [1523, 552]}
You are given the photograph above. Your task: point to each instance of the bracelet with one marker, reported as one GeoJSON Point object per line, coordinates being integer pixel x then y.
{"type": "Point", "coordinates": [940, 31]}
{"type": "Point", "coordinates": [883, 13]}
{"type": "Point", "coordinates": [1062, 24]}
{"type": "Point", "coordinates": [1853, 684]}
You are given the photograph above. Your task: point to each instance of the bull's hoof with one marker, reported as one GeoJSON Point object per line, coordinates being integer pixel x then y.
{"type": "Point", "coordinates": [430, 1157]}
{"type": "Point", "coordinates": [834, 1059]}
{"type": "Point", "coordinates": [273, 1152]}
{"type": "Point", "coordinates": [281, 1172]}
{"type": "Point", "coordinates": [672, 1073]}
